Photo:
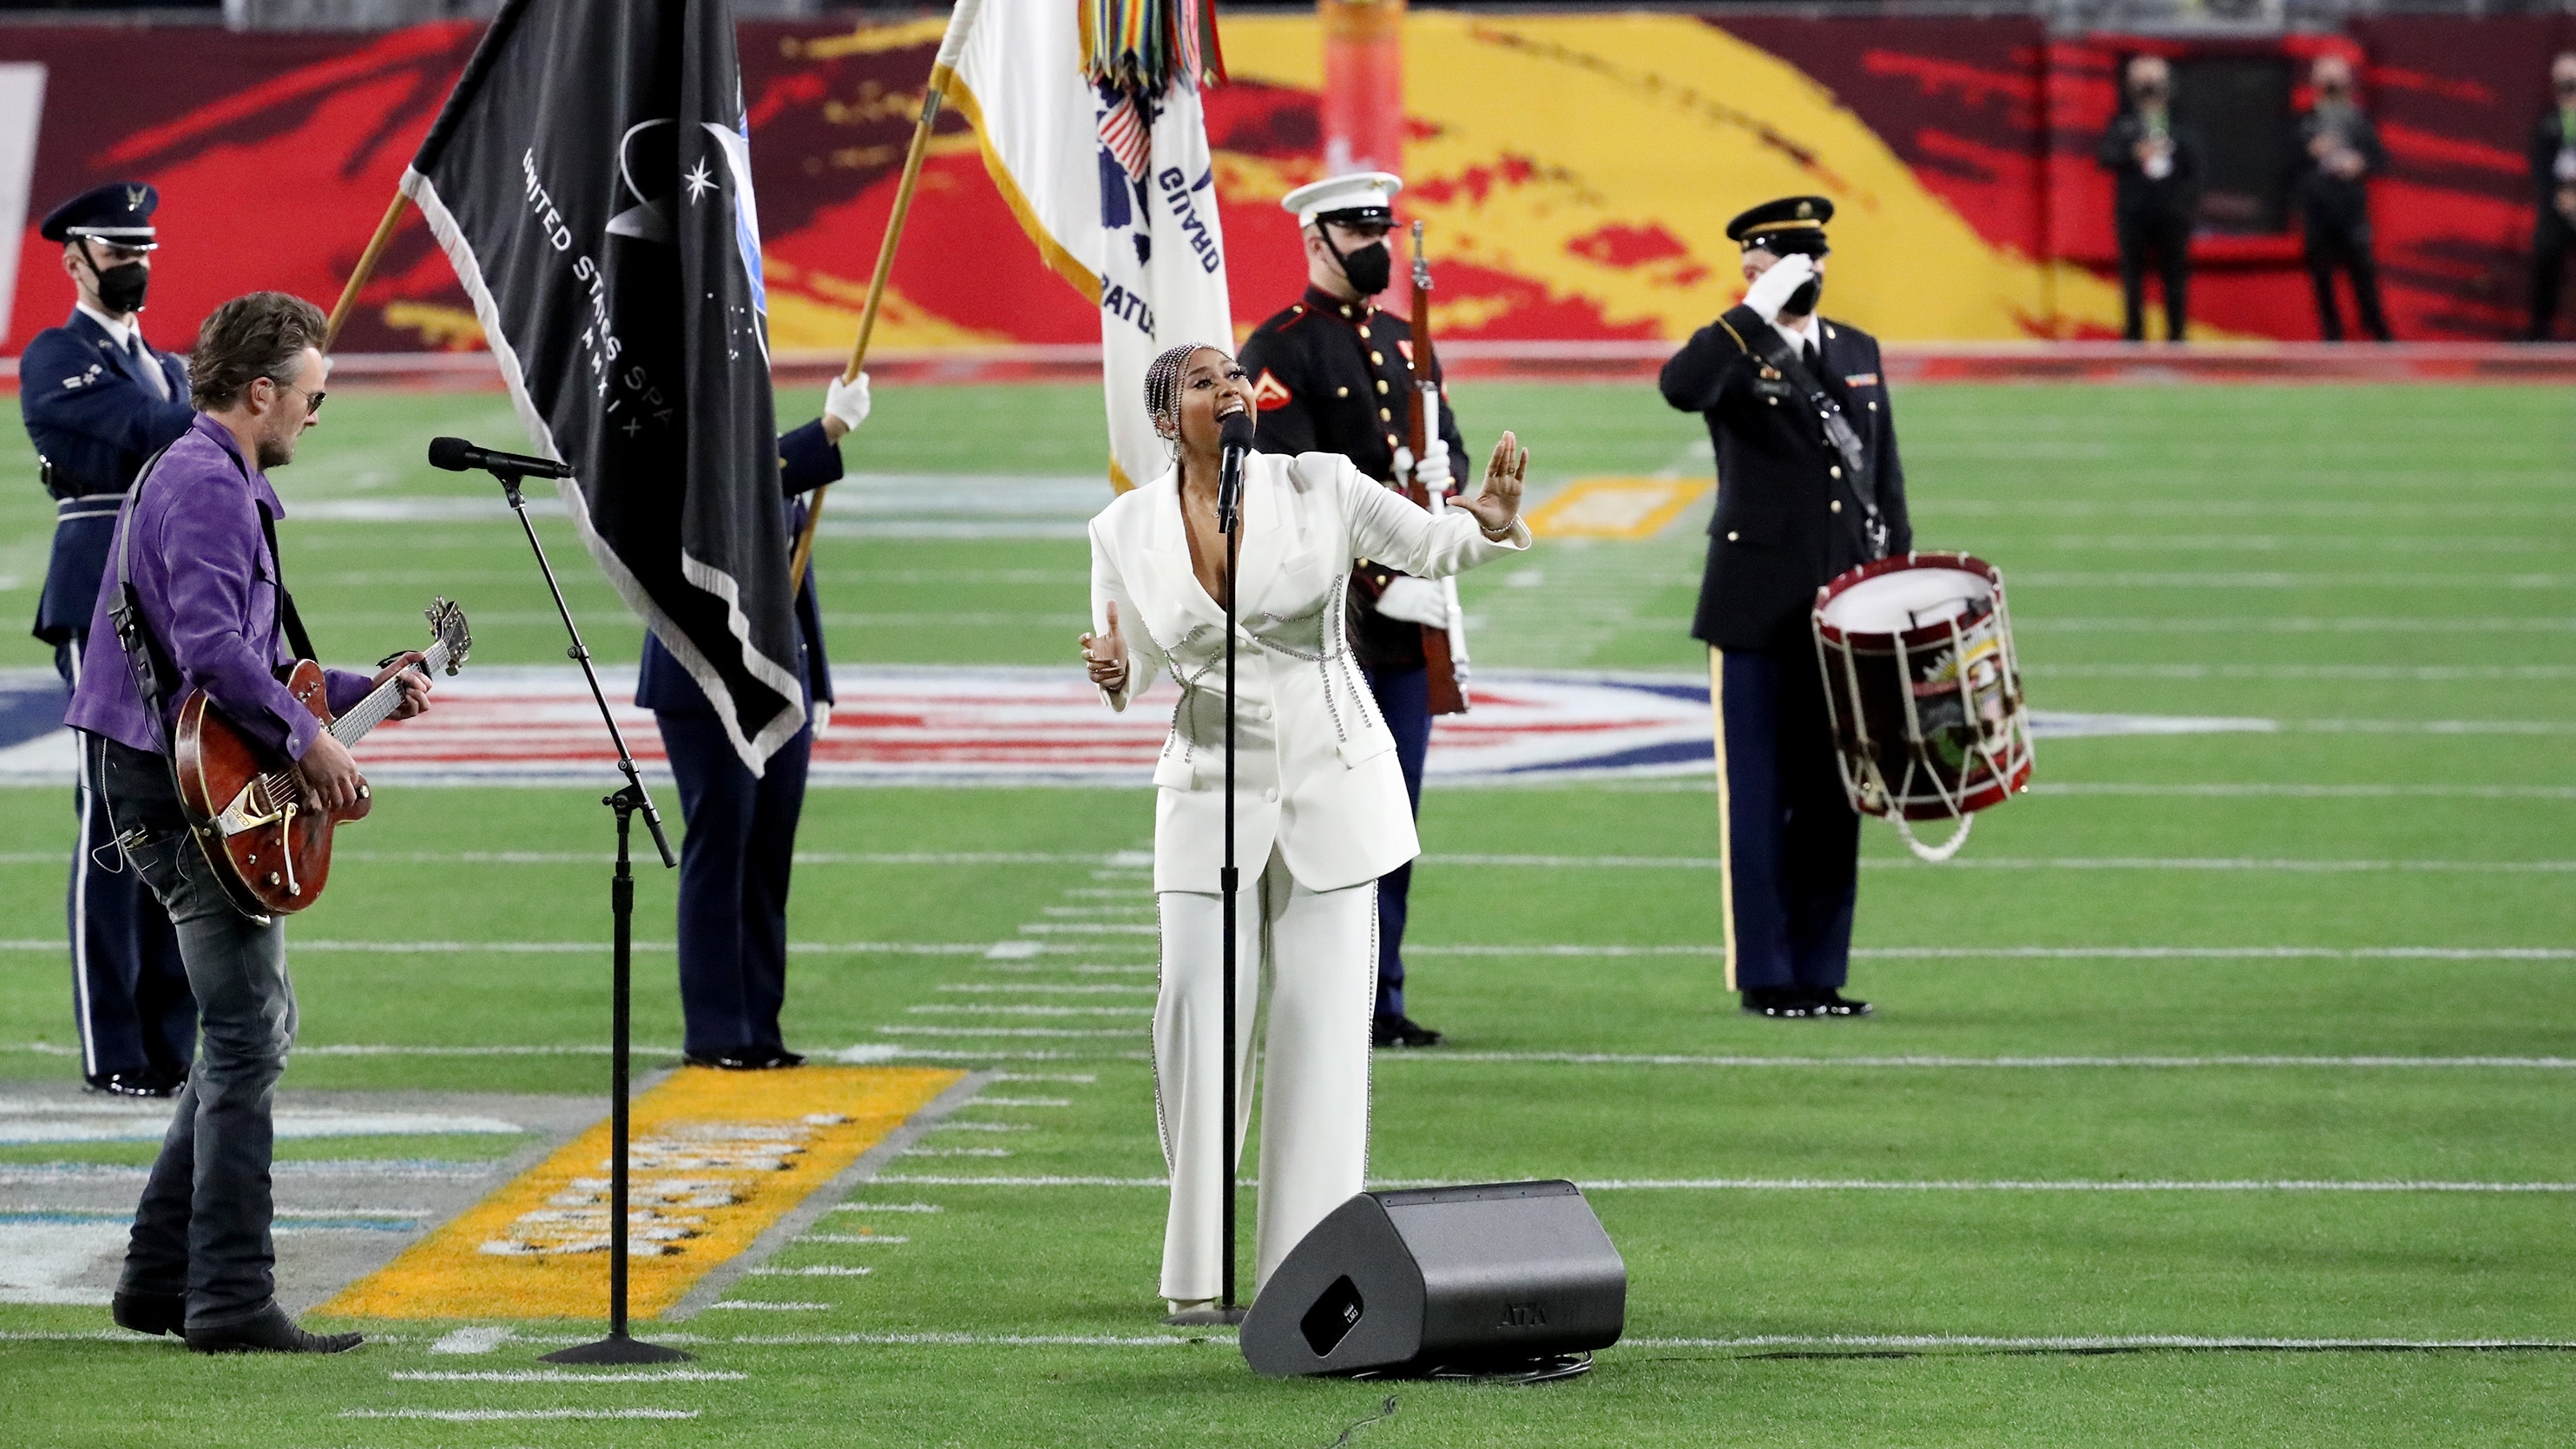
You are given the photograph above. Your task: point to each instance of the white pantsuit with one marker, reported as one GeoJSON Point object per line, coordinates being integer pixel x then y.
{"type": "Point", "coordinates": [1320, 814]}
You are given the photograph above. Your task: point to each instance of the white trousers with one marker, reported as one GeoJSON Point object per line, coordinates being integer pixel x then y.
{"type": "Point", "coordinates": [1313, 956]}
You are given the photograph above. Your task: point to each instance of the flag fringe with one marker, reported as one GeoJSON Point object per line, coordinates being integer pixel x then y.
{"type": "Point", "coordinates": [1142, 47]}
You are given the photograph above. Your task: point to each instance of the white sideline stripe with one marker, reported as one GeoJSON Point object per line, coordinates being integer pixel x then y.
{"type": "Point", "coordinates": [2138, 1340]}
{"type": "Point", "coordinates": [1973, 862]}
{"type": "Point", "coordinates": [1023, 1101]}
{"type": "Point", "coordinates": [1007, 1031]}
{"type": "Point", "coordinates": [485, 1416]}
{"type": "Point", "coordinates": [887, 1207]}
{"type": "Point", "coordinates": [868, 1239]}
{"type": "Point", "coordinates": [563, 1376]}
{"type": "Point", "coordinates": [822, 1270]}
{"type": "Point", "coordinates": [2317, 792]}
{"type": "Point", "coordinates": [1044, 988]}
{"type": "Point", "coordinates": [1821, 1184]}
{"type": "Point", "coordinates": [2052, 953]}
{"type": "Point", "coordinates": [778, 1307]}
{"type": "Point", "coordinates": [1609, 1059]}
{"type": "Point", "coordinates": [952, 1008]}
{"type": "Point", "coordinates": [969, 1340]}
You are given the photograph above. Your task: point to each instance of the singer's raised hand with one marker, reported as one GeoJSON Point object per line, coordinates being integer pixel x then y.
{"type": "Point", "coordinates": [1106, 656]}
{"type": "Point", "coordinates": [1499, 502]}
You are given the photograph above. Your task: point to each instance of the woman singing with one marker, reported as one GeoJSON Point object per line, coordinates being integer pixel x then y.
{"type": "Point", "coordinates": [1320, 809]}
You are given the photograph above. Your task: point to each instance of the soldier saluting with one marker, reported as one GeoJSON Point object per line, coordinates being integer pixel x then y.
{"type": "Point", "coordinates": [1809, 484]}
{"type": "Point", "coordinates": [99, 401]}
{"type": "Point", "coordinates": [1333, 374]}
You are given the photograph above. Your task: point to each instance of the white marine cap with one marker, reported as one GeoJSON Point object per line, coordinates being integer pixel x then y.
{"type": "Point", "coordinates": [1362, 196]}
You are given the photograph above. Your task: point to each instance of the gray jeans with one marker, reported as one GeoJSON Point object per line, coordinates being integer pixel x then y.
{"type": "Point", "coordinates": [202, 1228]}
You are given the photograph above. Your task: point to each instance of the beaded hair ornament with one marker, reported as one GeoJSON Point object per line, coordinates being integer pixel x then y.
{"type": "Point", "coordinates": [1163, 388]}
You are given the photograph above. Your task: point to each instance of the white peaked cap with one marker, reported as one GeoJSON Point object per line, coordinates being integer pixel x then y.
{"type": "Point", "coordinates": [1361, 190]}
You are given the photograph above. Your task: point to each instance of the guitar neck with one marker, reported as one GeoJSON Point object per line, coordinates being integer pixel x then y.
{"type": "Point", "coordinates": [382, 701]}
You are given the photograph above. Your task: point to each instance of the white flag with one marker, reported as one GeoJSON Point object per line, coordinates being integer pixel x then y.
{"type": "Point", "coordinates": [1121, 203]}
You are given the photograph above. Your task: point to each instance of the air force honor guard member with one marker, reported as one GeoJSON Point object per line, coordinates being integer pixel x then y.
{"type": "Point", "coordinates": [741, 840]}
{"type": "Point", "coordinates": [99, 402]}
{"type": "Point", "coordinates": [1809, 485]}
{"type": "Point", "coordinates": [1333, 374]}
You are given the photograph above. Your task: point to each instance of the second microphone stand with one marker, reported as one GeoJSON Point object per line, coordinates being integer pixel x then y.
{"type": "Point", "coordinates": [632, 800]}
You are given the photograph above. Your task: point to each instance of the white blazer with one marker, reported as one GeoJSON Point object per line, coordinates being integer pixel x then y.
{"type": "Point", "coordinates": [1315, 768]}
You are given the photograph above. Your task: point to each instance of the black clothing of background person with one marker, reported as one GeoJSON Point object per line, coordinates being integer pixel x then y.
{"type": "Point", "coordinates": [2153, 217]}
{"type": "Point", "coordinates": [2334, 215]}
{"type": "Point", "coordinates": [2553, 232]}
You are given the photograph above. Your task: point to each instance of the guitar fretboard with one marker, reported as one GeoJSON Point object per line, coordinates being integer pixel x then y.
{"type": "Point", "coordinates": [382, 701]}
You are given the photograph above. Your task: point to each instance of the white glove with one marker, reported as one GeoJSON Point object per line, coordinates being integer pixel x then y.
{"type": "Point", "coordinates": [1771, 290]}
{"type": "Point", "coordinates": [1434, 474]}
{"type": "Point", "coordinates": [847, 401]}
{"type": "Point", "coordinates": [822, 718]}
{"type": "Point", "coordinates": [1415, 601]}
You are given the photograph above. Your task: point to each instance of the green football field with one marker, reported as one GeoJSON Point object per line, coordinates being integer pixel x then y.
{"type": "Point", "coordinates": [2223, 1091]}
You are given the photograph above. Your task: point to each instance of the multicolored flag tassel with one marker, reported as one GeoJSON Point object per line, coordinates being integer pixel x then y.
{"type": "Point", "coordinates": [1143, 46]}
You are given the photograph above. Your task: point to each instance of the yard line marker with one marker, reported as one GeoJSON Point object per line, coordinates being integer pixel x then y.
{"type": "Point", "coordinates": [1004, 1031]}
{"type": "Point", "coordinates": [870, 1239]}
{"type": "Point", "coordinates": [1046, 988]}
{"type": "Point", "coordinates": [485, 1416]}
{"type": "Point", "coordinates": [2558, 1064]}
{"type": "Point", "coordinates": [979, 1009]}
{"type": "Point", "coordinates": [2142, 1340]}
{"type": "Point", "coordinates": [564, 1376]}
{"type": "Point", "coordinates": [1820, 1184]}
{"type": "Point", "coordinates": [2319, 792]}
{"type": "Point", "coordinates": [823, 1270]}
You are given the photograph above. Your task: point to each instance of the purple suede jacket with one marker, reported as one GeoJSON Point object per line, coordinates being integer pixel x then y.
{"type": "Point", "coordinates": [209, 591]}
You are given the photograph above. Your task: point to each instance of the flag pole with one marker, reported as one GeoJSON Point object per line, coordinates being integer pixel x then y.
{"type": "Point", "coordinates": [951, 45]}
{"type": "Point", "coordinates": [366, 268]}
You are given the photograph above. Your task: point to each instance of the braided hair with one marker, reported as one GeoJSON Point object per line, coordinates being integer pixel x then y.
{"type": "Point", "coordinates": [1163, 388]}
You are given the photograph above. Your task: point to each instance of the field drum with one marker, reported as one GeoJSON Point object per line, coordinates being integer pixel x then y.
{"type": "Point", "coordinates": [1924, 691]}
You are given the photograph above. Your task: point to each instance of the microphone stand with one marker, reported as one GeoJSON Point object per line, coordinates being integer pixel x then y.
{"type": "Point", "coordinates": [1229, 517]}
{"type": "Point", "coordinates": [617, 1347]}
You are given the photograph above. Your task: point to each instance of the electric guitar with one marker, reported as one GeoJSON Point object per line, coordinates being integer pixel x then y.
{"type": "Point", "coordinates": [270, 849]}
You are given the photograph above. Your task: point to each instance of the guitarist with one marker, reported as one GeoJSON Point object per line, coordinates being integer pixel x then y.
{"type": "Point", "coordinates": [1333, 374]}
{"type": "Point", "coordinates": [195, 545]}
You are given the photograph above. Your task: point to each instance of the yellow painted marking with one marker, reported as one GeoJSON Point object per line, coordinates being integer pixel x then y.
{"type": "Point", "coordinates": [1616, 507]}
{"type": "Point", "coordinates": [716, 1157]}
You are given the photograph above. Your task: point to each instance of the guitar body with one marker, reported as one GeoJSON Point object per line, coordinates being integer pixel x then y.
{"type": "Point", "coordinates": [275, 851]}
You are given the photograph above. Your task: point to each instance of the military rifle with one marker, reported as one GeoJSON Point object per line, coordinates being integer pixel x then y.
{"type": "Point", "coordinates": [1444, 651]}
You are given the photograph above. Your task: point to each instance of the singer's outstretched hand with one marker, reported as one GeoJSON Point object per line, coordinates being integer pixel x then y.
{"type": "Point", "coordinates": [1500, 500]}
{"type": "Point", "coordinates": [1106, 656]}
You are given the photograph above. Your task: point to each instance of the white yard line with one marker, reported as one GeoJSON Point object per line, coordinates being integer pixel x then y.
{"type": "Point", "coordinates": [855, 1239]}
{"type": "Point", "coordinates": [2079, 1344]}
{"type": "Point", "coordinates": [564, 1376]}
{"type": "Point", "coordinates": [886, 1207]}
{"type": "Point", "coordinates": [1608, 1059]}
{"type": "Point", "coordinates": [2254, 790]}
{"type": "Point", "coordinates": [487, 1416]}
{"type": "Point", "coordinates": [953, 1008]}
{"type": "Point", "coordinates": [1818, 1184]}
{"type": "Point", "coordinates": [821, 1270]}
{"type": "Point", "coordinates": [776, 1307]}
{"type": "Point", "coordinates": [1057, 1031]}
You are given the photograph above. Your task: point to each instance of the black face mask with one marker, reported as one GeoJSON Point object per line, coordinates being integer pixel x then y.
{"type": "Point", "coordinates": [1366, 268]}
{"type": "Point", "coordinates": [120, 288]}
{"type": "Point", "coordinates": [1802, 302]}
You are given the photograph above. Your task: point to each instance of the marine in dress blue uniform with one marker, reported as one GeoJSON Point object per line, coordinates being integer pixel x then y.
{"type": "Point", "coordinates": [1789, 517]}
{"type": "Point", "coordinates": [741, 841]}
{"type": "Point", "coordinates": [99, 401]}
{"type": "Point", "coordinates": [1333, 373]}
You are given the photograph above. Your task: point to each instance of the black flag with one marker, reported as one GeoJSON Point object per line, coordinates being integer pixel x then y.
{"type": "Point", "coordinates": [591, 180]}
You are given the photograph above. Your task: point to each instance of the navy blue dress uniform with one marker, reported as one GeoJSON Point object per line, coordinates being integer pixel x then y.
{"type": "Point", "coordinates": [2153, 208]}
{"type": "Point", "coordinates": [99, 402]}
{"type": "Point", "coordinates": [741, 840]}
{"type": "Point", "coordinates": [1788, 519]}
{"type": "Point", "coordinates": [1336, 376]}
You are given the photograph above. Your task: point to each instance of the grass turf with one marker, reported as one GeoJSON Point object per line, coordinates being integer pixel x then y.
{"type": "Point", "coordinates": [2381, 573]}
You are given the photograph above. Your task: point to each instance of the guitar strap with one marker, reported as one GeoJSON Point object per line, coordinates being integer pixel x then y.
{"type": "Point", "coordinates": [287, 619]}
{"type": "Point", "coordinates": [1870, 530]}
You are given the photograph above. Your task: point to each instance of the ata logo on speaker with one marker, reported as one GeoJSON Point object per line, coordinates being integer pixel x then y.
{"type": "Point", "coordinates": [1523, 1315]}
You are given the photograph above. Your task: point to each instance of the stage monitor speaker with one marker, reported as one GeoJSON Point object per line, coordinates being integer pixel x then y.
{"type": "Point", "coordinates": [1451, 1277]}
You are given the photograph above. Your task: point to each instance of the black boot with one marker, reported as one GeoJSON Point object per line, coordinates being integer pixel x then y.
{"type": "Point", "coordinates": [269, 1331]}
{"type": "Point", "coordinates": [154, 1313]}
{"type": "Point", "coordinates": [1782, 1003]}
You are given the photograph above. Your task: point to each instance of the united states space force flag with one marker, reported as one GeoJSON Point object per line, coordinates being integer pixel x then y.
{"type": "Point", "coordinates": [590, 178]}
{"type": "Point", "coordinates": [1109, 173]}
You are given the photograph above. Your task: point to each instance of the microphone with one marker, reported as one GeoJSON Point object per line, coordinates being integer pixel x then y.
{"type": "Point", "coordinates": [458, 456]}
{"type": "Point", "coordinates": [1235, 434]}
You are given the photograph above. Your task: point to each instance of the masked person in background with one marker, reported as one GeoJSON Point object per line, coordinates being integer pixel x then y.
{"type": "Point", "coordinates": [2159, 167]}
{"type": "Point", "coordinates": [99, 401]}
{"type": "Point", "coordinates": [2338, 151]}
{"type": "Point", "coordinates": [2553, 186]}
{"type": "Point", "coordinates": [1334, 373]}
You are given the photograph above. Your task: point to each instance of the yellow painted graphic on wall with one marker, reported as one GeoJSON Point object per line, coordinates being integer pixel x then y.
{"type": "Point", "coordinates": [716, 1158]}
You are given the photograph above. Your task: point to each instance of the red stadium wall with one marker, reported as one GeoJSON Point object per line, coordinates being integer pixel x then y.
{"type": "Point", "coordinates": [275, 155]}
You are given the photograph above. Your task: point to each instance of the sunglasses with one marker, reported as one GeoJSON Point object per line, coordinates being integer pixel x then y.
{"type": "Point", "coordinates": [312, 400]}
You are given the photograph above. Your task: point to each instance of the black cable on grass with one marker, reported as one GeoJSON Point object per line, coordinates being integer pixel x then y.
{"type": "Point", "coordinates": [1385, 1411]}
